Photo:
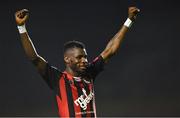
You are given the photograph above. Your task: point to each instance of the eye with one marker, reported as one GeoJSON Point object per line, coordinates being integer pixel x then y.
{"type": "Point", "coordinates": [79, 57]}
{"type": "Point", "coordinates": [85, 56]}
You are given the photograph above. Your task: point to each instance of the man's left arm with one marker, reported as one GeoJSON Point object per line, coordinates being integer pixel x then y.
{"type": "Point", "coordinates": [114, 44]}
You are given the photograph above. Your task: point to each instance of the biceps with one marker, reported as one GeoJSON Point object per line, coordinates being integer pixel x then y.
{"type": "Point", "coordinates": [106, 54]}
{"type": "Point", "coordinates": [40, 64]}
{"type": "Point", "coordinates": [109, 52]}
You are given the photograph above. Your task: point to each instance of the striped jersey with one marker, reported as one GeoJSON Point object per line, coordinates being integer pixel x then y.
{"type": "Point", "coordinates": [74, 95]}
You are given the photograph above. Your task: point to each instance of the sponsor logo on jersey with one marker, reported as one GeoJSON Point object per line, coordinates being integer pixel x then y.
{"type": "Point", "coordinates": [84, 99]}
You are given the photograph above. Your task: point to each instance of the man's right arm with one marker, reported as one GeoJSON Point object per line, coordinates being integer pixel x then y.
{"type": "Point", "coordinates": [21, 17]}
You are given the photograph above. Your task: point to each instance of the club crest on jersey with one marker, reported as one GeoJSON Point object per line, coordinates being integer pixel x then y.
{"type": "Point", "coordinates": [84, 99]}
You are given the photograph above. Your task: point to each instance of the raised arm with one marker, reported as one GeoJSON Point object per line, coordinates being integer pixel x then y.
{"type": "Point", "coordinates": [114, 44]}
{"type": "Point", "coordinates": [21, 17]}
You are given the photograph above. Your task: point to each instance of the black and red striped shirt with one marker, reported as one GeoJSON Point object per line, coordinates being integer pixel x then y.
{"type": "Point", "coordinates": [74, 95]}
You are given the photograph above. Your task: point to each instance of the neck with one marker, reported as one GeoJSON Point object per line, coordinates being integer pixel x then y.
{"type": "Point", "coordinates": [70, 71]}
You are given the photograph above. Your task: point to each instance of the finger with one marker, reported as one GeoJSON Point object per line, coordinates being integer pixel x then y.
{"type": "Point", "coordinates": [135, 11]}
{"type": "Point", "coordinates": [26, 17]}
{"type": "Point", "coordinates": [22, 13]}
{"type": "Point", "coordinates": [17, 14]}
{"type": "Point", "coordinates": [131, 8]}
{"type": "Point", "coordinates": [25, 12]}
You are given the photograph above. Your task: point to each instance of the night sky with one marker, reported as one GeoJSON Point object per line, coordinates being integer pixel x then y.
{"type": "Point", "coordinates": [142, 79]}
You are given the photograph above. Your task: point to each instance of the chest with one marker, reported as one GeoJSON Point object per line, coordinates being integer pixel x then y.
{"type": "Point", "coordinates": [82, 93]}
{"type": "Point", "coordinates": [81, 89]}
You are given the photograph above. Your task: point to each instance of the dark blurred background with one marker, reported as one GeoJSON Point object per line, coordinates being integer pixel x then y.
{"type": "Point", "coordinates": [142, 79]}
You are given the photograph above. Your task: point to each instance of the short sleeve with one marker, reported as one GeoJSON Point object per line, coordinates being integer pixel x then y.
{"type": "Point", "coordinates": [52, 76]}
{"type": "Point", "coordinates": [96, 66]}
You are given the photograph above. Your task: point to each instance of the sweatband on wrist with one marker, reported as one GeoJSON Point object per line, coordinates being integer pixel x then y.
{"type": "Point", "coordinates": [22, 29]}
{"type": "Point", "coordinates": [128, 23]}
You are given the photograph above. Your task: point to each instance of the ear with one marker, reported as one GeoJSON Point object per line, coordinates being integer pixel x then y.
{"type": "Point", "coordinates": [66, 59]}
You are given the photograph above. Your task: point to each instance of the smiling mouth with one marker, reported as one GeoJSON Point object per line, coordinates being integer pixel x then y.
{"type": "Point", "coordinates": [83, 67]}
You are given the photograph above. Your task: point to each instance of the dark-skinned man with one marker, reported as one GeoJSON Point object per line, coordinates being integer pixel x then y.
{"type": "Point", "coordinates": [73, 87]}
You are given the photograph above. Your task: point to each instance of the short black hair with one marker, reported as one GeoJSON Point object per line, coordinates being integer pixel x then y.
{"type": "Point", "coordinates": [73, 44]}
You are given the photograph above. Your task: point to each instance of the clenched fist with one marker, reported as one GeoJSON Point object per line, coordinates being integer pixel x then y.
{"type": "Point", "coordinates": [132, 12]}
{"type": "Point", "coordinates": [21, 16]}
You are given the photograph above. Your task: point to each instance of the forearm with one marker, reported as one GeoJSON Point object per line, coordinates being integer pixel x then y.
{"type": "Point", "coordinates": [28, 46]}
{"type": "Point", "coordinates": [115, 42]}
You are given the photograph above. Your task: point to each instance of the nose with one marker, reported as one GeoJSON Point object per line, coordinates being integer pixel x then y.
{"type": "Point", "coordinates": [84, 60]}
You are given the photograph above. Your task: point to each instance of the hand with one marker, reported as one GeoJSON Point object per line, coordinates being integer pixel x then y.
{"type": "Point", "coordinates": [21, 16]}
{"type": "Point", "coordinates": [132, 12]}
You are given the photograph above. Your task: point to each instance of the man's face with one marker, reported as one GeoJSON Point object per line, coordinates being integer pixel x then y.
{"type": "Point", "coordinates": [78, 60]}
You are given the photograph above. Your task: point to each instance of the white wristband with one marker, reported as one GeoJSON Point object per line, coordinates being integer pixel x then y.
{"type": "Point", "coordinates": [22, 29]}
{"type": "Point", "coordinates": [128, 23]}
